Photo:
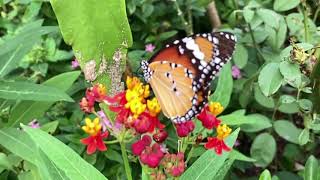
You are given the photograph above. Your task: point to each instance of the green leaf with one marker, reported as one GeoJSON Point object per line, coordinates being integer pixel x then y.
{"type": "Point", "coordinates": [15, 48]}
{"type": "Point", "coordinates": [267, 102]}
{"type": "Point", "coordinates": [248, 14]}
{"type": "Point", "coordinates": [287, 99]}
{"type": "Point", "coordinates": [284, 5]}
{"type": "Point", "coordinates": [304, 136]}
{"type": "Point", "coordinates": [257, 122]}
{"type": "Point", "coordinates": [113, 155]}
{"type": "Point", "coordinates": [269, 17]}
{"type": "Point", "coordinates": [25, 111]}
{"type": "Point", "coordinates": [263, 149]}
{"type": "Point", "coordinates": [224, 169]}
{"type": "Point", "coordinates": [208, 164]}
{"type": "Point", "coordinates": [240, 157]}
{"type": "Point", "coordinates": [18, 143]}
{"type": "Point", "coordinates": [94, 34]}
{"type": "Point", "coordinates": [270, 79]}
{"type": "Point", "coordinates": [4, 161]}
{"type": "Point", "coordinates": [30, 91]}
{"type": "Point", "coordinates": [240, 57]}
{"type": "Point", "coordinates": [287, 130]}
{"type": "Point", "coordinates": [265, 175]}
{"type": "Point", "coordinates": [281, 33]}
{"type": "Point", "coordinates": [290, 71]}
{"type": "Point", "coordinates": [311, 169]}
{"type": "Point", "coordinates": [50, 127]}
{"type": "Point", "coordinates": [223, 91]}
{"type": "Point", "coordinates": [305, 105]}
{"type": "Point", "coordinates": [62, 156]}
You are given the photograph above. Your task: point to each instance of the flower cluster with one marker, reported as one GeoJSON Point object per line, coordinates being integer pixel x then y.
{"type": "Point", "coordinates": [134, 109]}
{"type": "Point", "coordinates": [96, 136]}
{"type": "Point", "coordinates": [137, 116]}
{"type": "Point", "coordinates": [97, 93]}
{"type": "Point", "coordinates": [174, 164]}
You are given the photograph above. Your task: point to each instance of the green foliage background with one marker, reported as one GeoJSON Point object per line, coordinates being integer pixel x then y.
{"type": "Point", "coordinates": [275, 103]}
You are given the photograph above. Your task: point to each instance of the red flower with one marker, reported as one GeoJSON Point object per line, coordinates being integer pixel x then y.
{"type": "Point", "coordinates": [99, 92]}
{"type": "Point", "coordinates": [207, 119]}
{"type": "Point", "coordinates": [87, 105]}
{"type": "Point", "coordinates": [160, 136]}
{"type": "Point", "coordinates": [152, 156]}
{"type": "Point", "coordinates": [117, 104]}
{"type": "Point", "coordinates": [185, 128]}
{"type": "Point", "coordinates": [95, 142]}
{"type": "Point", "coordinates": [141, 145]}
{"type": "Point", "coordinates": [217, 144]}
{"type": "Point", "coordinates": [146, 123]}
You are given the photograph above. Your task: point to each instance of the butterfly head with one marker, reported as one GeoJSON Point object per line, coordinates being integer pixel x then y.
{"type": "Point", "coordinates": [146, 70]}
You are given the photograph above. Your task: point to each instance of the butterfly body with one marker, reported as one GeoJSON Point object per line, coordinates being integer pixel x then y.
{"type": "Point", "coordinates": [180, 74]}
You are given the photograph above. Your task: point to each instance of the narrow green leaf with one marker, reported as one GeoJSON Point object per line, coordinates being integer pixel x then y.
{"type": "Point", "coordinates": [311, 169]}
{"type": "Point", "coordinates": [223, 91]}
{"type": "Point", "coordinates": [18, 143]}
{"type": "Point", "coordinates": [30, 91]}
{"type": "Point", "coordinates": [240, 157]}
{"type": "Point", "coordinates": [25, 111]}
{"type": "Point", "coordinates": [209, 163]}
{"type": "Point", "coordinates": [62, 156]}
{"type": "Point", "coordinates": [50, 127]}
{"type": "Point", "coordinates": [224, 169]}
{"type": "Point", "coordinates": [15, 48]}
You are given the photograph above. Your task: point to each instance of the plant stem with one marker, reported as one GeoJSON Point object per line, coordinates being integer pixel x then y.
{"type": "Point", "coordinates": [125, 160]}
{"type": "Point", "coordinates": [315, 17]}
{"type": "Point", "coordinates": [111, 142]}
{"type": "Point", "coordinates": [260, 57]}
{"type": "Point", "coordinates": [190, 154]}
{"type": "Point", "coordinates": [305, 22]}
{"type": "Point", "coordinates": [187, 26]}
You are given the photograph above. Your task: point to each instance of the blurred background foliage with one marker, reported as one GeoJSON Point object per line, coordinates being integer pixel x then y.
{"type": "Point", "coordinates": [275, 101]}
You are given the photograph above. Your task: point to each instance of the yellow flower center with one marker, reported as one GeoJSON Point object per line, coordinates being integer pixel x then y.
{"type": "Point", "coordinates": [132, 82]}
{"type": "Point", "coordinates": [223, 131]}
{"type": "Point", "coordinates": [101, 89]}
{"type": "Point", "coordinates": [92, 127]}
{"type": "Point", "coordinates": [136, 107]}
{"type": "Point", "coordinates": [153, 106]}
{"type": "Point", "coordinates": [215, 108]}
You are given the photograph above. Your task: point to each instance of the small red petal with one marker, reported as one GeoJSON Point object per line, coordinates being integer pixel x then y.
{"type": "Point", "coordinates": [87, 140]}
{"type": "Point", "coordinates": [91, 148]}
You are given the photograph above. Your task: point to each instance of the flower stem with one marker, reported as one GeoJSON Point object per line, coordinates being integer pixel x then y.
{"type": "Point", "coordinates": [305, 22]}
{"type": "Point", "coordinates": [260, 57]}
{"type": "Point", "coordinates": [187, 26]}
{"type": "Point", "coordinates": [111, 142]}
{"type": "Point", "coordinates": [125, 160]}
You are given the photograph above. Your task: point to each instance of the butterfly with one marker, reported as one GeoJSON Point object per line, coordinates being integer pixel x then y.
{"type": "Point", "coordinates": [181, 73]}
